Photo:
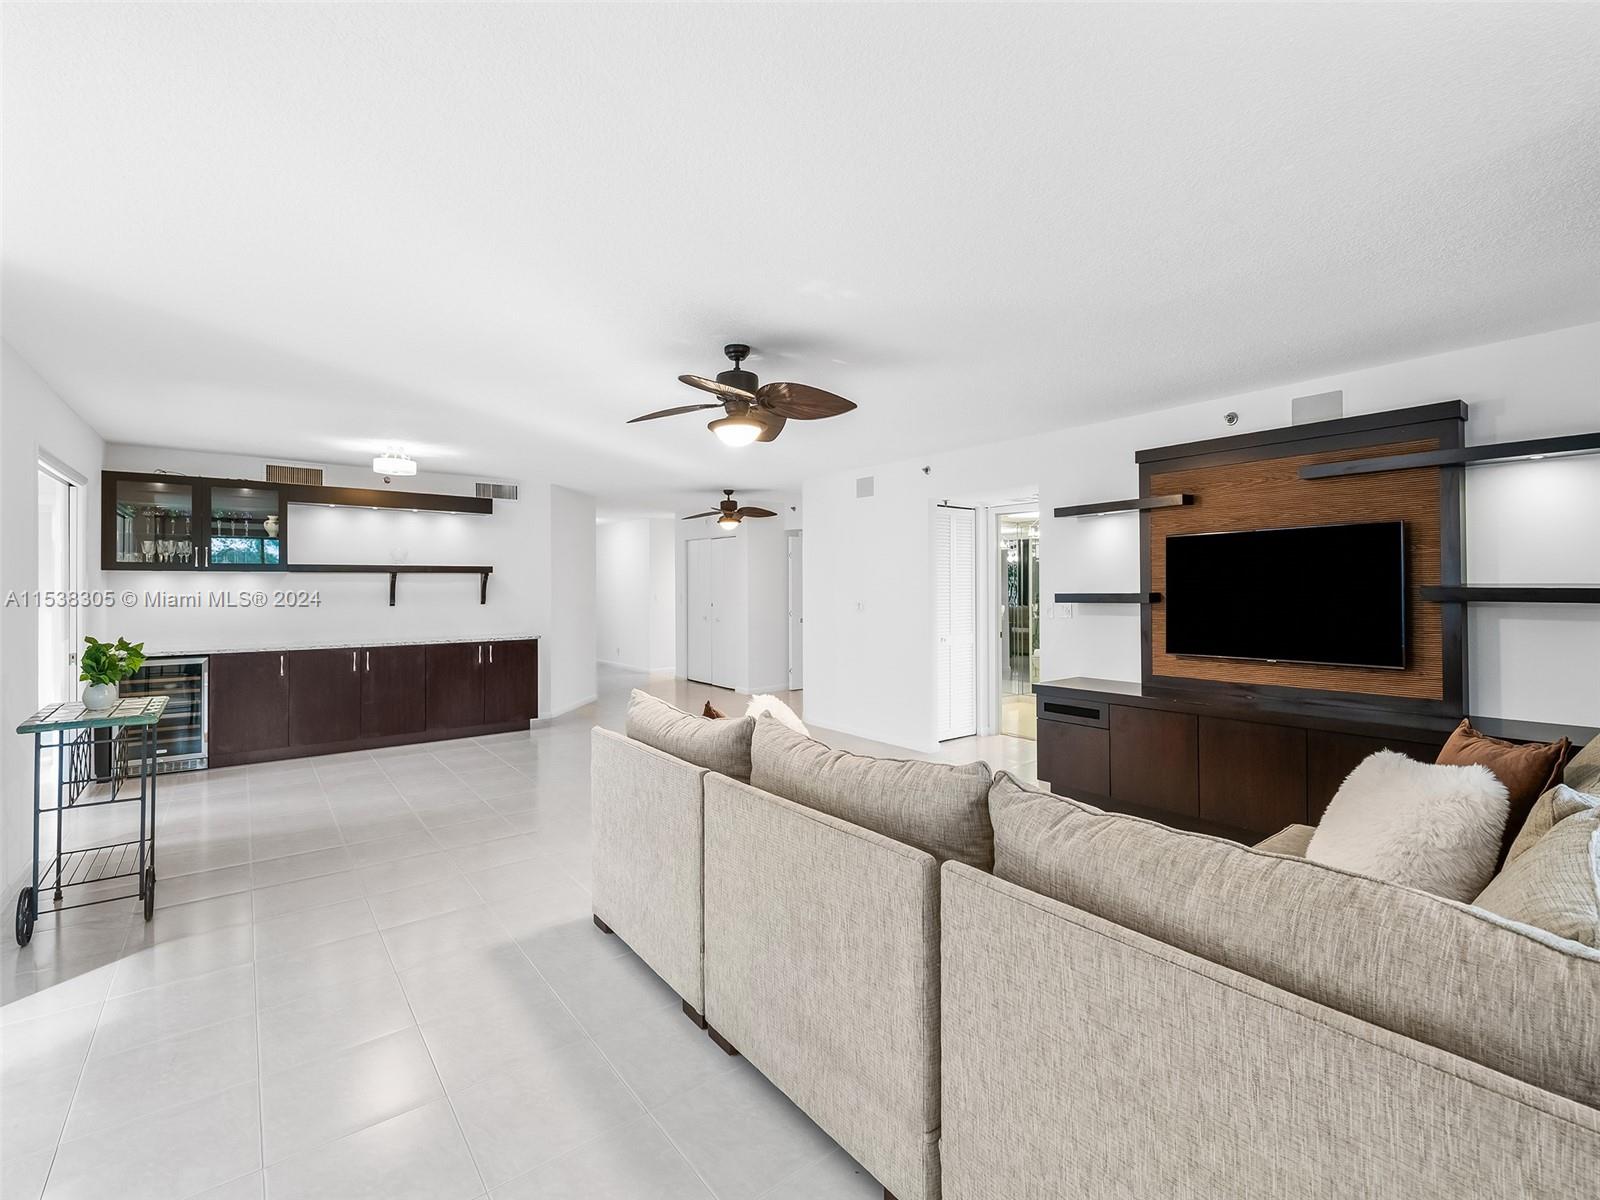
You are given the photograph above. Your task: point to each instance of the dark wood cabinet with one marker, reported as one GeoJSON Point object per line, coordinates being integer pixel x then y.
{"type": "Point", "coordinates": [455, 685]}
{"type": "Point", "coordinates": [248, 705]}
{"type": "Point", "coordinates": [324, 696]}
{"type": "Point", "coordinates": [1252, 776]}
{"type": "Point", "coordinates": [1075, 760]}
{"type": "Point", "coordinates": [394, 690]}
{"type": "Point", "coordinates": [1331, 756]}
{"type": "Point", "coordinates": [1155, 760]}
{"type": "Point", "coordinates": [264, 706]}
{"type": "Point", "coordinates": [511, 682]}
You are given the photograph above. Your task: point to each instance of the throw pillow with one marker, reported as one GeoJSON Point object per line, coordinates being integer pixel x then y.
{"type": "Point", "coordinates": [1559, 803]}
{"type": "Point", "coordinates": [771, 706]}
{"type": "Point", "coordinates": [1528, 771]}
{"type": "Point", "coordinates": [713, 713]}
{"type": "Point", "coordinates": [1583, 772]}
{"type": "Point", "coordinates": [1555, 884]}
{"type": "Point", "coordinates": [938, 808]}
{"type": "Point", "coordinates": [721, 746]}
{"type": "Point", "coordinates": [1437, 828]}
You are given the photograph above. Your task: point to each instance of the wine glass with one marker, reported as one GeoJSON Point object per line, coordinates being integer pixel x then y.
{"type": "Point", "coordinates": [149, 551]}
{"type": "Point", "coordinates": [164, 549]}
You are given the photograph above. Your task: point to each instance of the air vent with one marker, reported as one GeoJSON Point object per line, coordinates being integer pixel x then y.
{"type": "Point", "coordinates": [278, 474]}
{"type": "Point", "coordinates": [497, 491]}
{"type": "Point", "coordinates": [1324, 406]}
{"type": "Point", "coordinates": [864, 487]}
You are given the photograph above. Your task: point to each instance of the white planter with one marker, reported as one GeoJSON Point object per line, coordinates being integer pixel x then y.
{"type": "Point", "coordinates": [98, 697]}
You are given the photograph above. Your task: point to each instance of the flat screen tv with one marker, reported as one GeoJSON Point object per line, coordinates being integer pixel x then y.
{"type": "Point", "coordinates": [1332, 594]}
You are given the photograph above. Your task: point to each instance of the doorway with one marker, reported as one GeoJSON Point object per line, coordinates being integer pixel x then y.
{"type": "Point", "coordinates": [1017, 544]}
{"type": "Point", "coordinates": [955, 619]}
{"type": "Point", "coordinates": [712, 633]}
{"type": "Point", "coordinates": [58, 537]}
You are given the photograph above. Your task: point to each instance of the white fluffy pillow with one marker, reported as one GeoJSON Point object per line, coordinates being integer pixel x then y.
{"type": "Point", "coordinates": [1426, 826]}
{"type": "Point", "coordinates": [772, 706]}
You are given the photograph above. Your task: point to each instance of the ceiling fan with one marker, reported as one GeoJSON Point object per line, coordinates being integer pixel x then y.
{"type": "Point", "coordinates": [753, 411]}
{"type": "Point", "coordinates": [729, 514]}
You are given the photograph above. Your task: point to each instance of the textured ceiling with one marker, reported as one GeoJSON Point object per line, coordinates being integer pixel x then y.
{"type": "Point", "coordinates": [490, 234]}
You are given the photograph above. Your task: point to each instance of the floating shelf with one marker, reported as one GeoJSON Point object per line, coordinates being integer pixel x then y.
{"type": "Point", "coordinates": [1108, 597]}
{"type": "Point", "coordinates": [1497, 594]}
{"type": "Point", "coordinates": [1531, 448]}
{"type": "Point", "coordinates": [1141, 504]}
{"type": "Point", "coordinates": [352, 497]}
{"type": "Point", "coordinates": [393, 571]}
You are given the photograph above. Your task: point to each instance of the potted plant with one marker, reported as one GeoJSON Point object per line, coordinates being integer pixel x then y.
{"type": "Point", "coordinates": [103, 666]}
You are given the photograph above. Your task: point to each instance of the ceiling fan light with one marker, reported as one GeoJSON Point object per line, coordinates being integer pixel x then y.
{"type": "Point", "coordinates": [736, 431]}
{"type": "Point", "coordinates": [394, 463]}
{"type": "Point", "coordinates": [729, 521]}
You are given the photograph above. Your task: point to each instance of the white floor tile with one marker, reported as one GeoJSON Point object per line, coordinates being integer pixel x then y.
{"type": "Point", "coordinates": [325, 970]}
{"type": "Point", "coordinates": [320, 1024]}
{"type": "Point", "coordinates": [139, 1018]}
{"type": "Point", "coordinates": [313, 927]}
{"type": "Point", "coordinates": [419, 1155]}
{"type": "Point", "coordinates": [626, 1164]}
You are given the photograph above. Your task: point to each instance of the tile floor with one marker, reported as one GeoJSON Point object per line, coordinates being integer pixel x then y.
{"type": "Point", "coordinates": [375, 975]}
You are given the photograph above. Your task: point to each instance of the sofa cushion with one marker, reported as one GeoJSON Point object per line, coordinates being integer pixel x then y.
{"type": "Point", "coordinates": [1559, 803]}
{"type": "Point", "coordinates": [1513, 998]}
{"type": "Point", "coordinates": [1528, 770]}
{"type": "Point", "coordinates": [1427, 826]}
{"type": "Point", "coordinates": [1583, 772]}
{"type": "Point", "coordinates": [1555, 884]}
{"type": "Point", "coordinates": [935, 807]}
{"type": "Point", "coordinates": [722, 746]}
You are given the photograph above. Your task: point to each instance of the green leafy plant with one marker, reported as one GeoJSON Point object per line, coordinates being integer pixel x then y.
{"type": "Point", "coordinates": [104, 662]}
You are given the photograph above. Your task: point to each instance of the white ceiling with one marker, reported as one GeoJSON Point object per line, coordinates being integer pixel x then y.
{"type": "Point", "coordinates": [490, 234]}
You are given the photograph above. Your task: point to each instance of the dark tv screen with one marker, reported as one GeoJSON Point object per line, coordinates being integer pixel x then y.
{"type": "Point", "coordinates": [1319, 594]}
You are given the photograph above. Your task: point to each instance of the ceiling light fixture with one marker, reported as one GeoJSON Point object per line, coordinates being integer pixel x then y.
{"type": "Point", "coordinates": [393, 463]}
{"type": "Point", "coordinates": [729, 521]}
{"type": "Point", "coordinates": [737, 431]}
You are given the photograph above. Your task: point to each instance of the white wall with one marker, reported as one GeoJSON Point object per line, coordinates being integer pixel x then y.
{"type": "Point", "coordinates": [566, 658]}
{"type": "Point", "coordinates": [635, 596]}
{"type": "Point", "coordinates": [33, 420]}
{"type": "Point", "coordinates": [869, 634]}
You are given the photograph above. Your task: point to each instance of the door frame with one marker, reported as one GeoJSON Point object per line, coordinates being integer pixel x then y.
{"type": "Point", "coordinates": [46, 463]}
{"type": "Point", "coordinates": [992, 649]}
{"type": "Point", "coordinates": [796, 558]}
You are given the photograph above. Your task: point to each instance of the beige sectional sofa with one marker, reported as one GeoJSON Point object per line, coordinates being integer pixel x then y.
{"type": "Point", "coordinates": [1070, 1003]}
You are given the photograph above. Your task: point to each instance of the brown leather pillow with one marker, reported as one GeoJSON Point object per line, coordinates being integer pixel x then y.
{"type": "Point", "coordinates": [711, 712]}
{"type": "Point", "coordinates": [1528, 770]}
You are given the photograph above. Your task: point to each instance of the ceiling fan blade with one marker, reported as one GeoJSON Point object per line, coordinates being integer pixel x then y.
{"type": "Point", "coordinates": [756, 512]}
{"type": "Point", "coordinates": [802, 402]}
{"type": "Point", "coordinates": [773, 422]}
{"type": "Point", "coordinates": [715, 512]}
{"type": "Point", "coordinates": [672, 412]}
{"type": "Point", "coordinates": [716, 387]}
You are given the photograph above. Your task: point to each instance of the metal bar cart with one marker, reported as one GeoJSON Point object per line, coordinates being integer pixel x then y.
{"type": "Point", "coordinates": [82, 783]}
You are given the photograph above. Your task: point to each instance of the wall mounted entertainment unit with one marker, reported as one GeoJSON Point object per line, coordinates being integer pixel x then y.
{"type": "Point", "coordinates": [1243, 747]}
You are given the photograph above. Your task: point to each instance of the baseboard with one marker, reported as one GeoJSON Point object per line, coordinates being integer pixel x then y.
{"type": "Point", "coordinates": [574, 707]}
{"type": "Point", "coordinates": [622, 666]}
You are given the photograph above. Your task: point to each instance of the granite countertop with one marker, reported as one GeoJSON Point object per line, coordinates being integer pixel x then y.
{"type": "Point", "coordinates": [283, 648]}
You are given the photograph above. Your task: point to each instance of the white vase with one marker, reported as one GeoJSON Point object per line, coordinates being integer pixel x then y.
{"type": "Point", "coordinates": [98, 697]}
{"type": "Point", "coordinates": [270, 526]}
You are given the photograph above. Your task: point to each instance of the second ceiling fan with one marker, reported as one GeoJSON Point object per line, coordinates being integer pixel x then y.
{"type": "Point", "coordinates": [753, 411]}
{"type": "Point", "coordinates": [729, 514]}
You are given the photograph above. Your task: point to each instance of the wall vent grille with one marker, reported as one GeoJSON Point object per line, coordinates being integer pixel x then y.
{"type": "Point", "coordinates": [1324, 406]}
{"type": "Point", "coordinates": [497, 491]}
{"type": "Point", "coordinates": [281, 474]}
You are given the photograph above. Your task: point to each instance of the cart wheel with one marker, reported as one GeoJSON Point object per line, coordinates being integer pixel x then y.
{"type": "Point", "coordinates": [25, 917]}
{"type": "Point", "coordinates": [149, 892]}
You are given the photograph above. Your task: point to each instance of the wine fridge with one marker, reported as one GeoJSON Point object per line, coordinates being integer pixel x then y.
{"type": "Point", "coordinates": [180, 741]}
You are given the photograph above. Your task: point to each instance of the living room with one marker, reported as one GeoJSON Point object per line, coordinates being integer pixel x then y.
{"type": "Point", "coordinates": [502, 529]}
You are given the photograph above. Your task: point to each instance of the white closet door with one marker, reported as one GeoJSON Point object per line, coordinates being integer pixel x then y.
{"type": "Point", "coordinates": [797, 628]}
{"type": "Point", "coordinates": [699, 610]}
{"type": "Point", "coordinates": [955, 621]}
{"type": "Point", "coordinates": [725, 624]}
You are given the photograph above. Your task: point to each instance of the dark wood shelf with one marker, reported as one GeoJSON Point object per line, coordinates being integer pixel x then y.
{"type": "Point", "coordinates": [352, 497]}
{"type": "Point", "coordinates": [1500, 594]}
{"type": "Point", "coordinates": [1108, 597]}
{"type": "Point", "coordinates": [393, 571]}
{"type": "Point", "coordinates": [1141, 504]}
{"type": "Point", "coordinates": [1497, 452]}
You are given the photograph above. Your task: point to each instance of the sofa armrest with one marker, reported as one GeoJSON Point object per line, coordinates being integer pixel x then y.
{"type": "Point", "coordinates": [1291, 840]}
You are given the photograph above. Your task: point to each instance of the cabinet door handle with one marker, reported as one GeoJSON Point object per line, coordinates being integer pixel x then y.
{"type": "Point", "coordinates": [491, 654]}
{"type": "Point", "coordinates": [352, 660]}
{"type": "Point", "coordinates": [368, 657]}
{"type": "Point", "coordinates": [480, 656]}
{"type": "Point", "coordinates": [280, 666]}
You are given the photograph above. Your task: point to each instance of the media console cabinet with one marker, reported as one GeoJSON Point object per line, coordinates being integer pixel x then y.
{"type": "Point", "coordinates": [269, 704]}
{"type": "Point", "coordinates": [1240, 769]}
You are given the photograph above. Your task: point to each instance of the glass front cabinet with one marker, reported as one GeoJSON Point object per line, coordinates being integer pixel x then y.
{"type": "Point", "coordinates": [153, 522]}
